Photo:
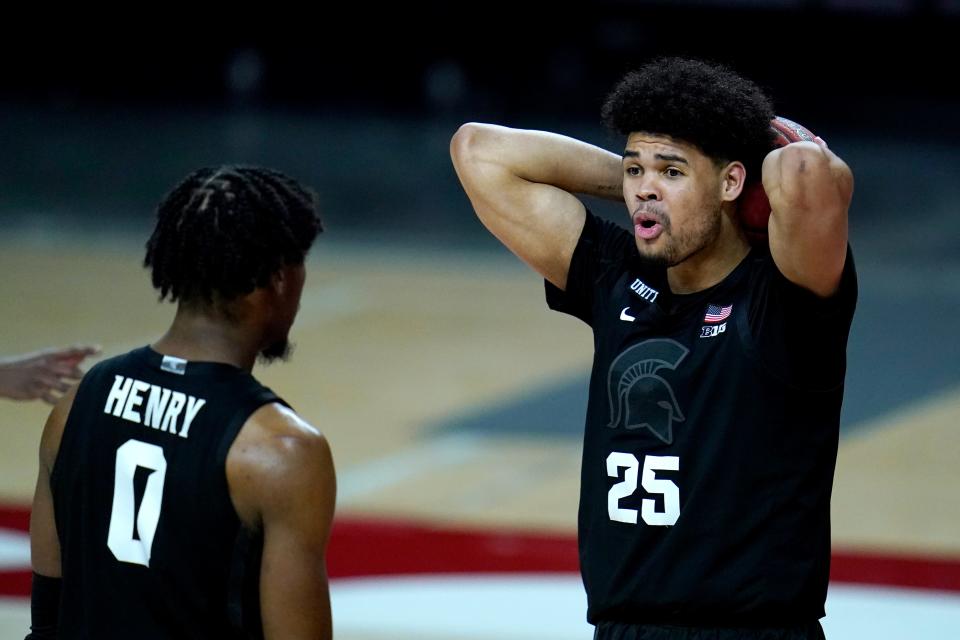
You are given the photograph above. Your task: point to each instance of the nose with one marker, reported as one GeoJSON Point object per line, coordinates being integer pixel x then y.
{"type": "Point", "coordinates": [646, 188]}
{"type": "Point", "coordinates": [648, 192]}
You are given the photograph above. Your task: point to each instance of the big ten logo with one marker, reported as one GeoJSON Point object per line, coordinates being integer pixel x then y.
{"type": "Point", "coordinates": [711, 332]}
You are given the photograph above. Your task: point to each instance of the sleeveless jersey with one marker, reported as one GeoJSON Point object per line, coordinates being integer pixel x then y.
{"type": "Point", "coordinates": [710, 439]}
{"type": "Point", "coordinates": [151, 546]}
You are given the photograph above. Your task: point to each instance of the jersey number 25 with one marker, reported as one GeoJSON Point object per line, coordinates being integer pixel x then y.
{"type": "Point", "coordinates": [650, 482]}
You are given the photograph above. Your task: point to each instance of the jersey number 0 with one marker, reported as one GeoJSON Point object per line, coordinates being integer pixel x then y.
{"type": "Point", "coordinates": [129, 544]}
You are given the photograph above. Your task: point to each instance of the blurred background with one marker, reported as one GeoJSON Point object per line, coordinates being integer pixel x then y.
{"type": "Point", "coordinates": [452, 398]}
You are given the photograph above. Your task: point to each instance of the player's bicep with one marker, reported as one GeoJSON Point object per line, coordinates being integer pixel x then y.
{"type": "Point", "coordinates": [296, 519]}
{"type": "Point", "coordinates": [538, 222]}
{"type": "Point", "coordinates": [809, 190]}
{"type": "Point", "coordinates": [294, 591]}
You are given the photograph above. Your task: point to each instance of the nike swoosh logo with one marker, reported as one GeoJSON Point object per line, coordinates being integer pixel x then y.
{"type": "Point", "coordinates": [626, 317]}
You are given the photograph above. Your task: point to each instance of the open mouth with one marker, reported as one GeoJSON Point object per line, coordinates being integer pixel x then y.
{"type": "Point", "coordinates": [646, 227]}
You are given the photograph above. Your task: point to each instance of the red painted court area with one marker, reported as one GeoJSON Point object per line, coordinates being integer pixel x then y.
{"type": "Point", "coordinates": [363, 547]}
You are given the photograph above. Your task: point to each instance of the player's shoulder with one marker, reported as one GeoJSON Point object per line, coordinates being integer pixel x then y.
{"type": "Point", "coordinates": [281, 433]}
{"type": "Point", "coordinates": [276, 434]}
{"type": "Point", "coordinates": [765, 273]}
{"type": "Point", "coordinates": [277, 456]}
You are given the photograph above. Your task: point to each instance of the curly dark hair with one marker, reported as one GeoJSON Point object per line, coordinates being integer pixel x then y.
{"type": "Point", "coordinates": [707, 105]}
{"type": "Point", "coordinates": [224, 231]}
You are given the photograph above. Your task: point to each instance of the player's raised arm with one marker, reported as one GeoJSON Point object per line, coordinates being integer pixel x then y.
{"type": "Point", "coordinates": [521, 184]}
{"type": "Point", "coordinates": [281, 475]}
{"type": "Point", "coordinates": [809, 188]}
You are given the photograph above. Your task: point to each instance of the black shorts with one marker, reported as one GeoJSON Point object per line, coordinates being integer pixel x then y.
{"type": "Point", "coordinates": [620, 631]}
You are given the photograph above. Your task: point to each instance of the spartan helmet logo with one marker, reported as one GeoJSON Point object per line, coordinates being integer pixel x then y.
{"type": "Point", "coordinates": [638, 396]}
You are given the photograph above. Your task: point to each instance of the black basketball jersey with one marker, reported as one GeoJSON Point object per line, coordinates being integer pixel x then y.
{"type": "Point", "coordinates": [151, 546]}
{"type": "Point", "coordinates": [710, 440]}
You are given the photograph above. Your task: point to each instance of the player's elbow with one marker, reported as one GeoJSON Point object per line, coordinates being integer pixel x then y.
{"type": "Point", "coordinates": [465, 143]}
{"type": "Point", "coordinates": [476, 153]}
{"type": "Point", "coordinates": [813, 179]}
{"type": "Point", "coordinates": [804, 160]}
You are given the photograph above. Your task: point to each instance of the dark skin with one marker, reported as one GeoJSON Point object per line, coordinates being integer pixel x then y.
{"type": "Point", "coordinates": [279, 469]}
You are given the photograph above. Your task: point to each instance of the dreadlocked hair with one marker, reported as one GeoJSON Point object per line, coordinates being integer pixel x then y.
{"type": "Point", "coordinates": [707, 105]}
{"type": "Point", "coordinates": [224, 231]}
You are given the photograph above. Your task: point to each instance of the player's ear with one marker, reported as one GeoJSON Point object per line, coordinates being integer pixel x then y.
{"type": "Point", "coordinates": [279, 281]}
{"type": "Point", "coordinates": [732, 179]}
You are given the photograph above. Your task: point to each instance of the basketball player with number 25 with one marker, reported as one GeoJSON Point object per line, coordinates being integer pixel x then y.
{"type": "Point", "coordinates": [720, 323]}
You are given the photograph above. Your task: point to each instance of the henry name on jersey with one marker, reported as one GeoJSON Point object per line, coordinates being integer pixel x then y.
{"type": "Point", "coordinates": [166, 410]}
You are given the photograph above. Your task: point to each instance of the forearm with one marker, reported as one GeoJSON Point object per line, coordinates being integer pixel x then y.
{"type": "Point", "coordinates": [42, 374]}
{"type": "Point", "coordinates": [9, 378]}
{"type": "Point", "coordinates": [543, 157]}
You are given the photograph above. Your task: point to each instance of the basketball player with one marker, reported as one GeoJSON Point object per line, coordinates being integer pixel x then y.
{"type": "Point", "coordinates": [714, 404]}
{"type": "Point", "coordinates": [43, 375]}
{"type": "Point", "coordinates": [177, 496]}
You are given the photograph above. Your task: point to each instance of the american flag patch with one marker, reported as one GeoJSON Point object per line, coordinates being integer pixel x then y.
{"type": "Point", "coordinates": [716, 313]}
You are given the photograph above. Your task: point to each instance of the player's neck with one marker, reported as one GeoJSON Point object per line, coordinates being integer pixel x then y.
{"type": "Point", "coordinates": [200, 337]}
{"type": "Point", "coordinates": [712, 264]}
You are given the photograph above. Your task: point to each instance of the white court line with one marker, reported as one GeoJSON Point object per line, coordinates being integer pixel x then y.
{"type": "Point", "coordinates": [890, 613]}
{"type": "Point", "coordinates": [14, 550]}
{"type": "Point", "coordinates": [463, 607]}
{"type": "Point", "coordinates": [538, 606]}
{"type": "Point", "coordinates": [535, 607]}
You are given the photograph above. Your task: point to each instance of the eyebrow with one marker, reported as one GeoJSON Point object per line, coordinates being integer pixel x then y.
{"type": "Point", "coordinates": [666, 157]}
